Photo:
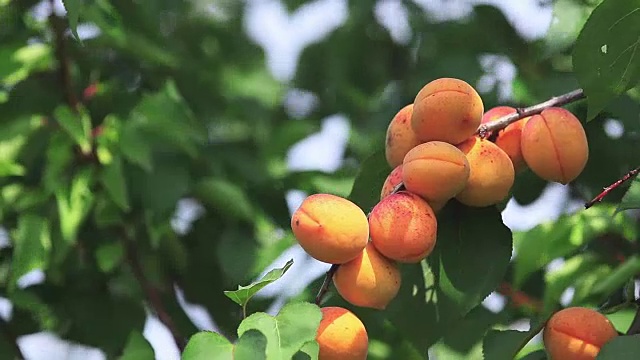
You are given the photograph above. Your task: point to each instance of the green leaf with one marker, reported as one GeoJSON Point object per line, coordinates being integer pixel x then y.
{"type": "Point", "coordinates": [207, 345]}
{"type": "Point", "coordinates": [73, 13]}
{"type": "Point", "coordinates": [631, 199]}
{"type": "Point", "coordinates": [309, 351]}
{"type": "Point", "coordinates": [505, 344]}
{"type": "Point", "coordinates": [568, 19]}
{"type": "Point", "coordinates": [471, 241]}
{"type": "Point", "coordinates": [32, 246]}
{"type": "Point", "coordinates": [606, 57]}
{"type": "Point", "coordinates": [74, 204]}
{"type": "Point", "coordinates": [78, 126]}
{"type": "Point", "coordinates": [226, 197]}
{"type": "Point", "coordinates": [535, 355]}
{"type": "Point", "coordinates": [295, 325]}
{"type": "Point", "coordinates": [112, 177]}
{"type": "Point", "coordinates": [137, 348]}
{"type": "Point", "coordinates": [109, 256]}
{"type": "Point", "coordinates": [252, 345]}
{"type": "Point", "coordinates": [620, 347]}
{"type": "Point", "coordinates": [135, 146]}
{"type": "Point", "coordinates": [368, 183]}
{"type": "Point", "coordinates": [244, 293]}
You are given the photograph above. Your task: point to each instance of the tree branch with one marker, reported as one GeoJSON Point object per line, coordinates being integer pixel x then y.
{"type": "Point", "coordinates": [611, 187]}
{"type": "Point", "coordinates": [58, 25]}
{"type": "Point", "coordinates": [11, 338]}
{"type": "Point", "coordinates": [325, 284]}
{"type": "Point", "coordinates": [522, 113]}
{"type": "Point", "coordinates": [151, 293]}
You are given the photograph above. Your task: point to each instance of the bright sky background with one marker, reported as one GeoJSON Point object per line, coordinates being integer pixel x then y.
{"type": "Point", "coordinates": [284, 36]}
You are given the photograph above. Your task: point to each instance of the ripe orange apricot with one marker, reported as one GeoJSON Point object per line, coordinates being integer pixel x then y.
{"type": "Point", "coordinates": [393, 179]}
{"type": "Point", "coordinates": [400, 136]}
{"type": "Point", "coordinates": [370, 280]}
{"type": "Point", "coordinates": [330, 228]}
{"type": "Point", "coordinates": [491, 176]}
{"type": "Point", "coordinates": [577, 333]}
{"type": "Point", "coordinates": [403, 227]}
{"type": "Point", "coordinates": [446, 109]}
{"type": "Point", "coordinates": [341, 335]}
{"type": "Point", "coordinates": [554, 145]}
{"type": "Point", "coordinates": [435, 170]}
{"type": "Point", "coordinates": [509, 140]}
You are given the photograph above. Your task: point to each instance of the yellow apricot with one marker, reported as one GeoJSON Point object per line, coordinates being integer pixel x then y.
{"type": "Point", "coordinates": [341, 335]}
{"type": "Point", "coordinates": [400, 136]}
{"type": "Point", "coordinates": [446, 109]}
{"type": "Point", "coordinates": [370, 280]}
{"type": "Point", "coordinates": [554, 145]}
{"type": "Point", "coordinates": [435, 170]}
{"type": "Point", "coordinates": [577, 333]}
{"type": "Point", "coordinates": [491, 176]}
{"type": "Point", "coordinates": [393, 179]}
{"type": "Point", "coordinates": [403, 227]}
{"type": "Point", "coordinates": [330, 228]}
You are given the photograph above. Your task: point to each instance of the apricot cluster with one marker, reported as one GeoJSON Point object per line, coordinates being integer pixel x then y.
{"type": "Point", "coordinates": [577, 333]}
{"type": "Point", "coordinates": [436, 156]}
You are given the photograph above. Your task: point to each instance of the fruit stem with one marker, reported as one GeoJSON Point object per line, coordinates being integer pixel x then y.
{"type": "Point", "coordinates": [521, 113]}
{"type": "Point", "coordinates": [325, 284]}
{"type": "Point", "coordinates": [608, 189]}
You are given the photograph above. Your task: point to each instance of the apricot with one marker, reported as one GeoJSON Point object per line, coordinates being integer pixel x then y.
{"type": "Point", "coordinates": [495, 113]}
{"type": "Point", "coordinates": [509, 140]}
{"type": "Point", "coordinates": [403, 227]}
{"type": "Point", "coordinates": [577, 333]}
{"type": "Point", "coordinates": [330, 228]}
{"type": "Point", "coordinates": [400, 136]}
{"type": "Point", "coordinates": [554, 145]}
{"type": "Point", "coordinates": [491, 176]}
{"type": "Point", "coordinates": [341, 335]}
{"type": "Point", "coordinates": [393, 179]}
{"type": "Point", "coordinates": [446, 109]}
{"type": "Point", "coordinates": [370, 280]}
{"type": "Point", "coordinates": [435, 170]}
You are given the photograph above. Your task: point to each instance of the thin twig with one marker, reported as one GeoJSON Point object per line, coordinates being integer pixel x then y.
{"type": "Point", "coordinates": [11, 338]}
{"type": "Point", "coordinates": [325, 284]}
{"type": "Point", "coordinates": [59, 27]}
{"type": "Point", "coordinates": [611, 187]}
{"type": "Point", "coordinates": [152, 294]}
{"type": "Point", "coordinates": [522, 113]}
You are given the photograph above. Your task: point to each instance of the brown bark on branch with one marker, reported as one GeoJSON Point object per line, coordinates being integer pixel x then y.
{"type": "Point", "coordinates": [152, 294]}
{"type": "Point", "coordinates": [522, 113]}
{"type": "Point", "coordinates": [613, 186]}
{"type": "Point", "coordinates": [325, 284]}
{"type": "Point", "coordinates": [58, 25]}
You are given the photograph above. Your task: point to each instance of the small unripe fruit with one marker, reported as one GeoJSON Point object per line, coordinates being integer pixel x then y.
{"type": "Point", "coordinates": [403, 227]}
{"type": "Point", "coordinates": [448, 110]}
{"type": "Point", "coordinates": [370, 280]}
{"type": "Point", "coordinates": [577, 333]}
{"type": "Point", "coordinates": [436, 171]}
{"type": "Point", "coordinates": [393, 179]}
{"type": "Point", "coordinates": [400, 137]}
{"type": "Point", "coordinates": [492, 174]}
{"type": "Point", "coordinates": [341, 335]}
{"type": "Point", "coordinates": [330, 228]}
{"type": "Point", "coordinates": [554, 145]}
